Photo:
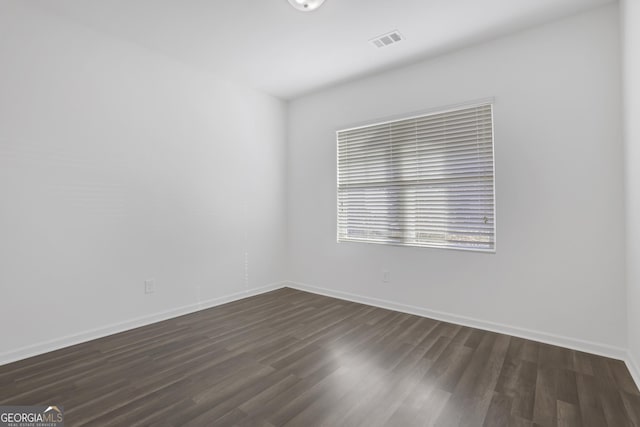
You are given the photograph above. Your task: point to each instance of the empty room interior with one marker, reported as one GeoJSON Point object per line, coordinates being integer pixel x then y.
{"type": "Point", "coordinates": [320, 213]}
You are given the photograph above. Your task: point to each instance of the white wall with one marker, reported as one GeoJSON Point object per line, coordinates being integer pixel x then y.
{"type": "Point", "coordinates": [118, 165]}
{"type": "Point", "coordinates": [559, 266]}
{"type": "Point", "coordinates": [631, 72]}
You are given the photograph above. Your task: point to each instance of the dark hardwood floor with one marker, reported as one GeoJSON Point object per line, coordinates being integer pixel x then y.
{"type": "Point", "coordinates": [298, 359]}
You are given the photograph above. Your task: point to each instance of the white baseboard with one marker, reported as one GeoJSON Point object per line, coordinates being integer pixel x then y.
{"type": "Point", "coordinates": [58, 343]}
{"type": "Point", "coordinates": [572, 343]}
{"type": "Point", "coordinates": [634, 368]}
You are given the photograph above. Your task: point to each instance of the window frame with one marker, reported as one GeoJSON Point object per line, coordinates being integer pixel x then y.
{"type": "Point", "coordinates": [411, 116]}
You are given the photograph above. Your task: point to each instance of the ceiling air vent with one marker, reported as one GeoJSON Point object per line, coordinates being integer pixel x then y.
{"type": "Point", "coordinates": [387, 39]}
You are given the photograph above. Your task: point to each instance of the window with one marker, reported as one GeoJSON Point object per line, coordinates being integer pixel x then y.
{"type": "Point", "coordinates": [421, 181]}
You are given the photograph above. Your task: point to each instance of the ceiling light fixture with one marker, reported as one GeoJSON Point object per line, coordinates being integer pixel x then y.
{"type": "Point", "coordinates": [306, 5]}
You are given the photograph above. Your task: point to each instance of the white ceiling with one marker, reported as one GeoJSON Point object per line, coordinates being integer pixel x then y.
{"type": "Point", "coordinates": [271, 46]}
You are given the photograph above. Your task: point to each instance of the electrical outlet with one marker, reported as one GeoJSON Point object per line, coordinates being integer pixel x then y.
{"type": "Point", "coordinates": [149, 286]}
{"type": "Point", "coordinates": [386, 276]}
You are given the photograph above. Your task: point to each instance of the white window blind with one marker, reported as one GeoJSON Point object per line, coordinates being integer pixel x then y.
{"type": "Point", "coordinates": [421, 181]}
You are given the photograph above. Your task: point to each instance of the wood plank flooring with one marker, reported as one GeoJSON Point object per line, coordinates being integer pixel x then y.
{"type": "Point", "coordinates": [290, 358]}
